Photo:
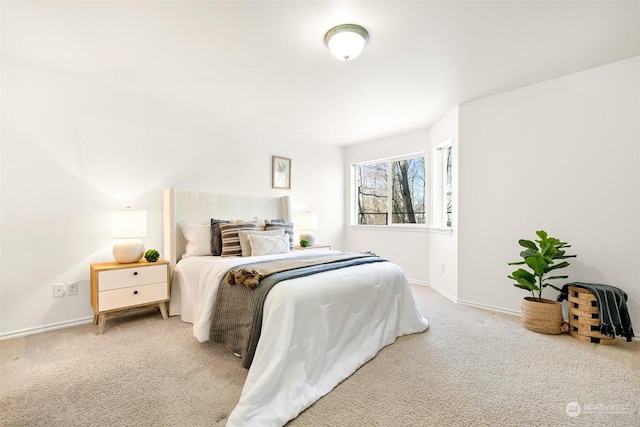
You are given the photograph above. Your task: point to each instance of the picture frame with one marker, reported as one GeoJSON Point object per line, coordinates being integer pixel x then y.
{"type": "Point", "coordinates": [281, 172]}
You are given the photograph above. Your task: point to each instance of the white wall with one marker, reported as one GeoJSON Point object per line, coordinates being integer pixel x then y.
{"type": "Point", "coordinates": [443, 259]}
{"type": "Point", "coordinates": [72, 148]}
{"type": "Point", "coordinates": [407, 248]}
{"type": "Point", "coordinates": [562, 156]}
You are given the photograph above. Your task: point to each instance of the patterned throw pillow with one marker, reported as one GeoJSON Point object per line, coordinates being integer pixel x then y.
{"type": "Point", "coordinates": [230, 240]}
{"type": "Point", "coordinates": [245, 245]}
{"type": "Point", "coordinates": [216, 236]}
{"type": "Point", "coordinates": [288, 229]}
{"type": "Point", "coordinates": [268, 245]}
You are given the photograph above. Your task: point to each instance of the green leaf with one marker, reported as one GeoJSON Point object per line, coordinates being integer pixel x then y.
{"type": "Point", "coordinates": [553, 241]}
{"type": "Point", "coordinates": [526, 287]}
{"type": "Point", "coordinates": [523, 274]}
{"type": "Point", "coordinates": [542, 234]}
{"type": "Point", "coordinates": [528, 244]}
{"type": "Point", "coordinates": [557, 266]}
{"type": "Point", "coordinates": [537, 263]}
{"type": "Point", "coordinates": [552, 286]}
{"type": "Point", "coordinates": [557, 277]}
{"type": "Point", "coordinates": [546, 248]}
{"type": "Point", "coordinates": [517, 263]}
{"type": "Point", "coordinates": [565, 256]}
{"type": "Point", "coordinates": [528, 253]}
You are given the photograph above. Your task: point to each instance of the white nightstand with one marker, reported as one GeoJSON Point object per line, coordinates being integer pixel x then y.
{"type": "Point", "coordinates": [117, 287]}
{"type": "Point", "coordinates": [316, 246]}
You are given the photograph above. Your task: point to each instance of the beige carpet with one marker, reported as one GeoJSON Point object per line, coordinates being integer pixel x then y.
{"type": "Point", "coordinates": [471, 368]}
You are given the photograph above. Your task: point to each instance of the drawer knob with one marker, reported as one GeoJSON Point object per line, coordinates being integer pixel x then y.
{"type": "Point", "coordinates": [135, 273]}
{"type": "Point", "coordinates": [135, 292]}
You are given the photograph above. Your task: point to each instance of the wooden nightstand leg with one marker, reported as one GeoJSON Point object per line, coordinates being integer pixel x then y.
{"type": "Point", "coordinates": [163, 309]}
{"type": "Point", "coordinates": [102, 320]}
{"type": "Point", "coordinates": [95, 319]}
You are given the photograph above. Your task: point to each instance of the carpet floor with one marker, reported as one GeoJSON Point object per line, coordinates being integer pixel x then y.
{"type": "Point", "coordinates": [472, 367]}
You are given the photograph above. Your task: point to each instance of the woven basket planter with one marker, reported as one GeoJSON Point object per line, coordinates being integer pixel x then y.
{"type": "Point", "coordinates": [544, 317]}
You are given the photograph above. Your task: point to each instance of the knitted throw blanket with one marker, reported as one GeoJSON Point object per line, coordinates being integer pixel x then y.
{"type": "Point", "coordinates": [238, 311]}
{"type": "Point", "coordinates": [250, 275]}
{"type": "Point", "coordinates": [612, 308]}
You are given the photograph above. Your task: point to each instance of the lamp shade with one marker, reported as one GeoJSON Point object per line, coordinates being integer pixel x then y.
{"type": "Point", "coordinates": [307, 221]}
{"type": "Point", "coordinates": [128, 223]}
{"type": "Point", "coordinates": [346, 42]}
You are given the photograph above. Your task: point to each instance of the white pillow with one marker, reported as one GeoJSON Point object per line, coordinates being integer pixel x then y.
{"type": "Point", "coordinates": [269, 245]}
{"type": "Point", "coordinates": [243, 235]}
{"type": "Point", "coordinates": [198, 238]}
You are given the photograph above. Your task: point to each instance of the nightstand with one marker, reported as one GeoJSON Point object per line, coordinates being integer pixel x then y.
{"type": "Point", "coordinates": [117, 287]}
{"type": "Point", "coordinates": [316, 246]}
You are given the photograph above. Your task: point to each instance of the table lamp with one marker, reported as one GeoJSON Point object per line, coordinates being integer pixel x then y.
{"type": "Point", "coordinates": [307, 224]}
{"type": "Point", "coordinates": [128, 224]}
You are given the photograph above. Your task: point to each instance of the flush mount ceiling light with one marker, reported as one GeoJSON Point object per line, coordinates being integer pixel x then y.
{"type": "Point", "coordinates": [346, 41]}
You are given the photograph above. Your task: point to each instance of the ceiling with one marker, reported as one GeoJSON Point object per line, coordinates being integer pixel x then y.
{"type": "Point", "coordinates": [266, 60]}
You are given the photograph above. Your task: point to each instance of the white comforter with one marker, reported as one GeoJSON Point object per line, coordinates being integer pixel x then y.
{"type": "Point", "coordinates": [316, 331]}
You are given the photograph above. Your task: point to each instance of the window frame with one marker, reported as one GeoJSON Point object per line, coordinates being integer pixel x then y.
{"type": "Point", "coordinates": [389, 225]}
{"type": "Point", "coordinates": [440, 176]}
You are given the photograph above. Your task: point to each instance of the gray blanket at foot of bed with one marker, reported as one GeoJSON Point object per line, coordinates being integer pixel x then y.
{"type": "Point", "coordinates": [237, 319]}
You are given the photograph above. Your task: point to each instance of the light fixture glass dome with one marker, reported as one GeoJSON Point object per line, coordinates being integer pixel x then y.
{"type": "Point", "coordinates": [347, 41]}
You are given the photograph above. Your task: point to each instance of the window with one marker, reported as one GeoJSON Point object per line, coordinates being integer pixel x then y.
{"type": "Point", "coordinates": [395, 186]}
{"type": "Point", "coordinates": [442, 185]}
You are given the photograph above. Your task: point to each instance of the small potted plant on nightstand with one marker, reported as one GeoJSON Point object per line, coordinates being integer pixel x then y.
{"type": "Point", "coordinates": [540, 314]}
{"type": "Point", "coordinates": [152, 255]}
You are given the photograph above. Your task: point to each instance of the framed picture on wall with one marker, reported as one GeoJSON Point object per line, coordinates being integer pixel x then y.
{"type": "Point", "coordinates": [281, 172]}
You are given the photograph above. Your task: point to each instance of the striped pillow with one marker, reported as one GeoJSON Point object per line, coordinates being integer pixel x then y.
{"type": "Point", "coordinates": [288, 229]}
{"type": "Point", "coordinates": [230, 240]}
{"type": "Point", "coordinates": [216, 236]}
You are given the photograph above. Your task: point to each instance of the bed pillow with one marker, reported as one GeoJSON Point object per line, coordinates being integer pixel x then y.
{"type": "Point", "coordinates": [288, 229]}
{"type": "Point", "coordinates": [230, 239]}
{"type": "Point", "coordinates": [216, 236]}
{"type": "Point", "coordinates": [198, 237]}
{"type": "Point", "coordinates": [243, 235]}
{"type": "Point", "coordinates": [269, 245]}
{"type": "Point", "coordinates": [274, 221]}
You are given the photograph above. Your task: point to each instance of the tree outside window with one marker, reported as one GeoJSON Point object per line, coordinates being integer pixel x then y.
{"type": "Point", "coordinates": [396, 186]}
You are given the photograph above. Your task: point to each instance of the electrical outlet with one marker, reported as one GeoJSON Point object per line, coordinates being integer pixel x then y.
{"type": "Point", "coordinates": [72, 288]}
{"type": "Point", "coordinates": [58, 291]}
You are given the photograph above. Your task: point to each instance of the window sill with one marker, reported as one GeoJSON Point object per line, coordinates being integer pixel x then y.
{"type": "Point", "coordinates": [412, 228]}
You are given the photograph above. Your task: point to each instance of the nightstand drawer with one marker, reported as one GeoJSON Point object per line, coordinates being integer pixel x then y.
{"type": "Point", "coordinates": [135, 295]}
{"type": "Point", "coordinates": [126, 277]}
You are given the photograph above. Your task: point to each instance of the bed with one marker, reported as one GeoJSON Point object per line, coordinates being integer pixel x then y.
{"type": "Point", "coordinates": [317, 330]}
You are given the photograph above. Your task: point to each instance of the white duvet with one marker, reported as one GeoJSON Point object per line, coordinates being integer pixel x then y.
{"type": "Point", "coordinates": [316, 331]}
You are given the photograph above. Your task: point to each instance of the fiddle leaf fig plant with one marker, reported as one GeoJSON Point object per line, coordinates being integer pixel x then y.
{"type": "Point", "coordinates": [541, 257]}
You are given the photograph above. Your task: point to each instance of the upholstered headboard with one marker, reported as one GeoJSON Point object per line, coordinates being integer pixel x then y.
{"type": "Point", "coordinates": [198, 207]}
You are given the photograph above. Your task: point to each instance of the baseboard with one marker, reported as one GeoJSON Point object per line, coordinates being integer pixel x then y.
{"type": "Point", "coordinates": [490, 307]}
{"type": "Point", "coordinates": [436, 288]}
{"type": "Point", "coordinates": [473, 304]}
{"type": "Point", "coordinates": [46, 328]}
{"type": "Point", "coordinates": [464, 302]}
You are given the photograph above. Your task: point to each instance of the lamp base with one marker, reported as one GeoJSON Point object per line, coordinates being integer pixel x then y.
{"type": "Point", "coordinates": [309, 237]}
{"type": "Point", "coordinates": [128, 251]}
